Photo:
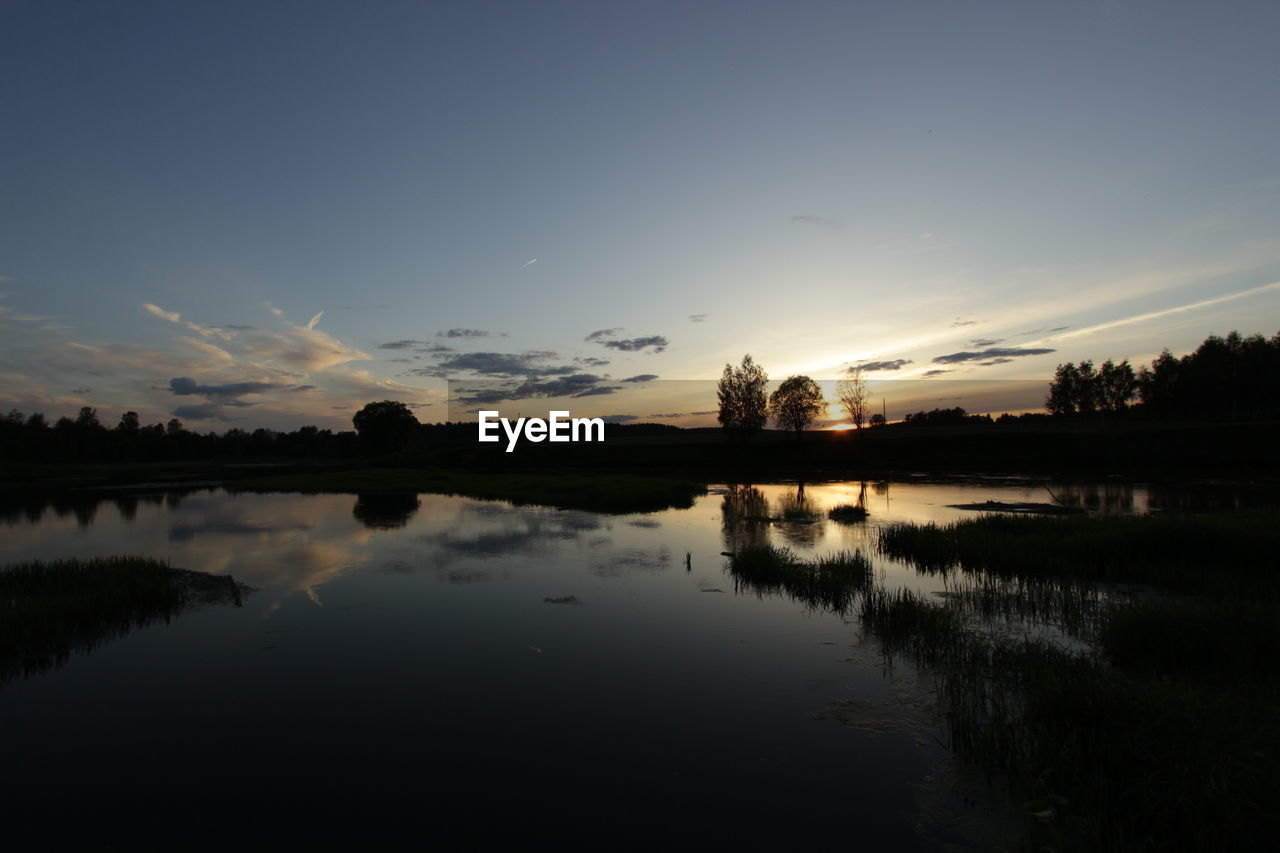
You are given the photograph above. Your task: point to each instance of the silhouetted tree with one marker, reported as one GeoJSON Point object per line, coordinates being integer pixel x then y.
{"type": "Point", "coordinates": [796, 403]}
{"type": "Point", "coordinates": [385, 427]}
{"type": "Point", "coordinates": [743, 406]}
{"type": "Point", "coordinates": [1073, 389]}
{"type": "Point", "coordinates": [1116, 386]}
{"type": "Point", "coordinates": [854, 396]}
{"type": "Point", "coordinates": [88, 419]}
{"type": "Point", "coordinates": [129, 423]}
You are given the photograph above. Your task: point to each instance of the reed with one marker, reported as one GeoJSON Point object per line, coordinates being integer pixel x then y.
{"type": "Point", "coordinates": [831, 583]}
{"type": "Point", "coordinates": [847, 513]}
{"type": "Point", "coordinates": [50, 609]}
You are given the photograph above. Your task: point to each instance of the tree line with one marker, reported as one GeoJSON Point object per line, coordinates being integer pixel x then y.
{"type": "Point", "coordinates": [1231, 378]}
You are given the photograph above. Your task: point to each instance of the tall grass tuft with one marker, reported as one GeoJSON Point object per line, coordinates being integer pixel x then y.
{"type": "Point", "coordinates": [50, 609]}
{"type": "Point", "coordinates": [830, 583]}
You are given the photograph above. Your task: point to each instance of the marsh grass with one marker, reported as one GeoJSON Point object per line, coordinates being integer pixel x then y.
{"type": "Point", "coordinates": [1229, 552]}
{"type": "Point", "coordinates": [1109, 759]}
{"type": "Point", "coordinates": [1070, 607]}
{"type": "Point", "coordinates": [830, 583]}
{"type": "Point", "coordinates": [847, 513]}
{"type": "Point", "coordinates": [50, 609]}
{"type": "Point", "coordinates": [1163, 732]}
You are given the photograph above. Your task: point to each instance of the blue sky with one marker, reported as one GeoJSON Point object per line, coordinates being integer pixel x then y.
{"type": "Point", "coordinates": [229, 211]}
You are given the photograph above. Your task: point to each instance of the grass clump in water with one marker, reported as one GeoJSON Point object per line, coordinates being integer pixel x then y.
{"type": "Point", "coordinates": [847, 513]}
{"type": "Point", "coordinates": [828, 583]}
{"type": "Point", "coordinates": [49, 609]}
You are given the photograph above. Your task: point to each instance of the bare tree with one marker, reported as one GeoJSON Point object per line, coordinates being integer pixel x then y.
{"type": "Point", "coordinates": [854, 396]}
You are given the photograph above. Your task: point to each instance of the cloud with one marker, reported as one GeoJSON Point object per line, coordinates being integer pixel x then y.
{"type": "Point", "coordinates": [528, 364]}
{"type": "Point", "coordinates": [202, 412]}
{"type": "Point", "coordinates": [984, 342]}
{"type": "Point", "coordinates": [869, 366]}
{"type": "Point", "coordinates": [657, 342]}
{"type": "Point", "coordinates": [608, 338]}
{"type": "Point", "coordinates": [203, 331]}
{"type": "Point", "coordinates": [574, 386]}
{"type": "Point", "coordinates": [590, 361]}
{"type": "Point", "coordinates": [157, 311]}
{"type": "Point", "coordinates": [643, 377]}
{"type": "Point", "coordinates": [529, 262]}
{"type": "Point", "coordinates": [995, 352]}
{"type": "Point", "coordinates": [928, 373]}
{"type": "Point", "coordinates": [812, 219]}
{"type": "Point", "coordinates": [959, 322]}
{"type": "Point", "coordinates": [698, 318]}
{"type": "Point", "coordinates": [405, 344]}
{"type": "Point", "coordinates": [184, 385]}
{"type": "Point", "coordinates": [1164, 312]}
{"type": "Point", "coordinates": [595, 392]}
{"type": "Point", "coordinates": [464, 333]}
{"type": "Point", "coordinates": [619, 419]}
{"type": "Point", "coordinates": [705, 413]}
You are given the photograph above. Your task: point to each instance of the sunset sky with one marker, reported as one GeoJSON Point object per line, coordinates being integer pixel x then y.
{"type": "Point", "coordinates": [270, 213]}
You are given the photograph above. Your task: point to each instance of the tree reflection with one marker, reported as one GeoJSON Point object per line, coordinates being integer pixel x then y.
{"type": "Point", "coordinates": [797, 518]}
{"type": "Point", "coordinates": [744, 521]}
{"type": "Point", "coordinates": [381, 511]}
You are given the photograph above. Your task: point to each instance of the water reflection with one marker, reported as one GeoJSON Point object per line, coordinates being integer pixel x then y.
{"type": "Point", "coordinates": [744, 512]}
{"type": "Point", "coordinates": [52, 611]}
{"type": "Point", "coordinates": [385, 511]}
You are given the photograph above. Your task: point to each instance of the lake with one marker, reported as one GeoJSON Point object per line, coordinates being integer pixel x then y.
{"type": "Point", "coordinates": [418, 668]}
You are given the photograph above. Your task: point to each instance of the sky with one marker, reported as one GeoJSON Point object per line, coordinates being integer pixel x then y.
{"type": "Point", "coordinates": [267, 214]}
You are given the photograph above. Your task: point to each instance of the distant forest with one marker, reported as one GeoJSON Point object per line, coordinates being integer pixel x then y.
{"type": "Point", "coordinates": [1230, 378]}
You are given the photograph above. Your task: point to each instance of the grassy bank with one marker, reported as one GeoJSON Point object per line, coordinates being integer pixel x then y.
{"type": "Point", "coordinates": [1162, 735]}
{"type": "Point", "coordinates": [50, 609]}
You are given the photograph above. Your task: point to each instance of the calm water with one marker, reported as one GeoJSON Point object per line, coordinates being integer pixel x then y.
{"type": "Point", "coordinates": [410, 669]}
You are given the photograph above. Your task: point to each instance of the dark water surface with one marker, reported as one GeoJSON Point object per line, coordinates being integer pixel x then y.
{"type": "Point", "coordinates": [423, 668]}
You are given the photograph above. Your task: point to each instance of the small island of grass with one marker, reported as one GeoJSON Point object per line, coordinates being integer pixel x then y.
{"type": "Point", "coordinates": [50, 609]}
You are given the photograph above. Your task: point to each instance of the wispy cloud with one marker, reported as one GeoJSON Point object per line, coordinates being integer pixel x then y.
{"type": "Point", "coordinates": [1005, 353]}
{"type": "Point", "coordinates": [185, 386]}
{"type": "Point", "coordinates": [643, 377]}
{"type": "Point", "coordinates": [872, 366]}
{"type": "Point", "coordinates": [573, 386]}
{"type": "Point", "coordinates": [657, 343]}
{"type": "Point", "coordinates": [812, 219]}
{"type": "Point", "coordinates": [464, 333]}
{"type": "Point", "coordinates": [609, 338]}
{"type": "Point", "coordinates": [698, 318]}
{"type": "Point", "coordinates": [504, 364]}
{"type": "Point", "coordinates": [1165, 312]}
{"type": "Point", "coordinates": [529, 262]}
